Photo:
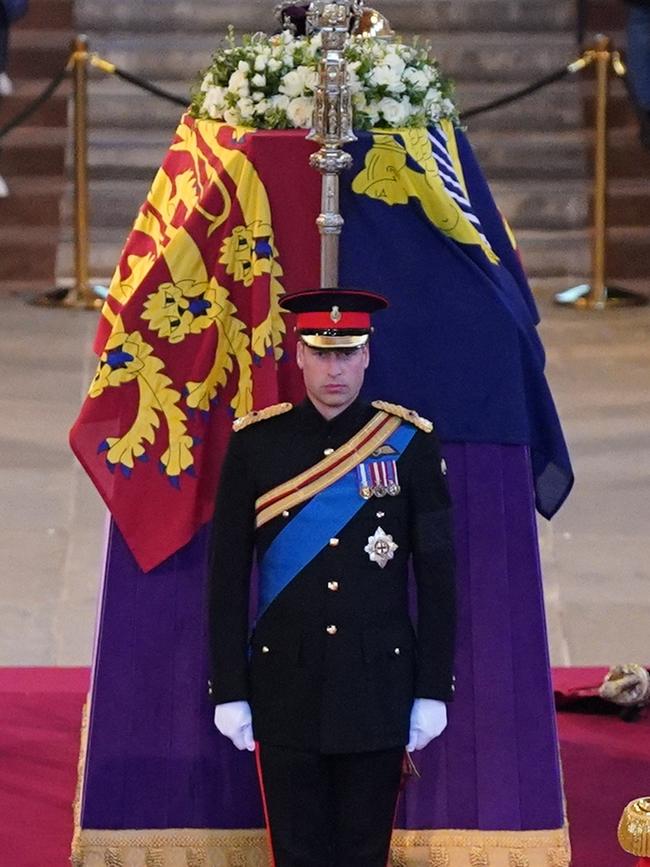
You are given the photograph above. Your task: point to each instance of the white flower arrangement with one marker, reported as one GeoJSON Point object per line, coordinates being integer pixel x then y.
{"type": "Point", "coordinates": [268, 82]}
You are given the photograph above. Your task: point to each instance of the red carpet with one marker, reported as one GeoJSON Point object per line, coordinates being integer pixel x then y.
{"type": "Point", "coordinates": [40, 717]}
{"type": "Point", "coordinates": [606, 764]}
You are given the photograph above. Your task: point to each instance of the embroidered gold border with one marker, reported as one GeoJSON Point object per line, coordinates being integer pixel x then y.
{"type": "Point", "coordinates": [187, 847]}
{"type": "Point", "coordinates": [292, 494]}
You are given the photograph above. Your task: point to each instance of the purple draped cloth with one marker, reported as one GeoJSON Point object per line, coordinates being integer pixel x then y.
{"type": "Point", "coordinates": [155, 760]}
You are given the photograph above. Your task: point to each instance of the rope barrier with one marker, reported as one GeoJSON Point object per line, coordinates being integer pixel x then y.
{"type": "Point", "coordinates": [40, 100]}
{"type": "Point", "coordinates": [99, 63]}
{"type": "Point", "coordinates": [142, 83]}
{"type": "Point", "coordinates": [516, 95]}
{"type": "Point", "coordinates": [595, 296]}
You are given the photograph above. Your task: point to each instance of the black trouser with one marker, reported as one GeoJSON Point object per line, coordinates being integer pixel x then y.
{"type": "Point", "coordinates": [329, 810]}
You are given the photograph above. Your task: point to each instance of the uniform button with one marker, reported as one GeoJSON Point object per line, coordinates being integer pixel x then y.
{"type": "Point", "coordinates": [333, 586]}
{"type": "Point", "coordinates": [285, 514]}
{"type": "Point", "coordinates": [331, 630]}
{"type": "Point", "coordinates": [397, 651]}
{"type": "Point", "coordinates": [333, 543]}
{"type": "Point", "coordinates": [328, 452]}
{"type": "Point", "coordinates": [265, 649]}
{"type": "Point", "coordinates": [380, 514]}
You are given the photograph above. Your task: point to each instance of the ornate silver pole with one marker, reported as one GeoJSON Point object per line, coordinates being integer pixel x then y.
{"type": "Point", "coordinates": [332, 122]}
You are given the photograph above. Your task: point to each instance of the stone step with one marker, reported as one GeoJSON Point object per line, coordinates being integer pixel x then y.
{"type": "Point", "coordinates": [480, 15]}
{"type": "Point", "coordinates": [36, 151]}
{"type": "Point", "coordinates": [51, 113]}
{"type": "Point", "coordinates": [136, 153]}
{"type": "Point", "coordinates": [545, 253]}
{"type": "Point", "coordinates": [28, 252]}
{"type": "Point", "coordinates": [540, 205]}
{"type": "Point", "coordinates": [32, 201]}
{"type": "Point", "coordinates": [547, 205]}
{"type": "Point", "coordinates": [559, 253]}
{"type": "Point", "coordinates": [114, 103]}
{"type": "Point", "coordinates": [604, 16]}
{"type": "Point", "coordinates": [557, 107]}
{"type": "Point", "coordinates": [538, 155]}
{"type": "Point", "coordinates": [38, 53]}
{"type": "Point", "coordinates": [46, 15]}
{"type": "Point", "coordinates": [404, 15]}
{"type": "Point", "coordinates": [516, 57]}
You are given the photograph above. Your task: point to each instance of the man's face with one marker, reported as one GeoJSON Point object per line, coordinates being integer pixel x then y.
{"type": "Point", "coordinates": [333, 377]}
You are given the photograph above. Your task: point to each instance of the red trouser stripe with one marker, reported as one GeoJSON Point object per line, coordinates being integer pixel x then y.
{"type": "Point", "coordinates": [258, 762]}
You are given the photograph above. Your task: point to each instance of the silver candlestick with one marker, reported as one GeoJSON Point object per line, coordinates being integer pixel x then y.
{"type": "Point", "coordinates": [332, 123]}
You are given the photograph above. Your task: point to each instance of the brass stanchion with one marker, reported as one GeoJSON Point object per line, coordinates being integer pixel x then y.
{"type": "Point", "coordinates": [597, 295]}
{"type": "Point", "coordinates": [80, 295]}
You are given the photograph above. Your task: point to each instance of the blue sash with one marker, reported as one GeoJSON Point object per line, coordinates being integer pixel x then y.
{"type": "Point", "coordinates": [309, 532]}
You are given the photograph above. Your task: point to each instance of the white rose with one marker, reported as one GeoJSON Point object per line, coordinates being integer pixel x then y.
{"type": "Point", "coordinates": [246, 108]}
{"type": "Point", "coordinates": [257, 96]}
{"type": "Point", "coordinates": [262, 107]}
{"type": "Point", "coordinates": [395, 113]}
{"type": "Point", "coordinates": [387, 76]}
{"type": "Point", "coordinates": [258, 80]}
{"type": "Point", "coordinates": [274, 65]}
{"type": "Point", "coordinates": [231, 116]}
{"type": "Point", "coordinates": [432, 103]}
{"type": "Point", "coordinates": [372, 110]}
{"type": "Point", "coordinates": [238, 83]}
{"type": "Point", "coordinates": [311, 78]}
{"type": "Point", "coordinates": [260, 63]}
{"type": "Point", "coordinates": [214, 101]}
{"type": "Point", "coordinates": [242, 66]}
{"type": "Point", "coordinates": [293, 82]}
{"type": "Point", "coordinates": [300, 112]}
{"type": "Point", "coordinates": [207, 82]}
{"type": "Point", "coordinates": [417, 78]}
{"type": "Point", "coordinates": [395, 62]}
{"type": "Point", "coordinates": [354, 83]}
{"type": "Point", "coordinates": [280, 101]}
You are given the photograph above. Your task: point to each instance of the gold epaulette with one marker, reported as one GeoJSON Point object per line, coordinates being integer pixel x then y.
{"type": "Point", "coordinates": [407, 414]}
{"type": "Point", "coordinates": [260, 415]}
{"type": "Point", "coordinates": [634, 828]}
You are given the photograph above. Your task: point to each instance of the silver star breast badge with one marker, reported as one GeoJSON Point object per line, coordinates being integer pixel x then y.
{"type": "Point", "coordinates": [380, 547]}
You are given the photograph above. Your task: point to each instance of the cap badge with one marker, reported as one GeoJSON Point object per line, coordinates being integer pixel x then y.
{"type": "Point", "coordinates": [335, 315]}
{"type": "Point", "coordinates": [380, 548]}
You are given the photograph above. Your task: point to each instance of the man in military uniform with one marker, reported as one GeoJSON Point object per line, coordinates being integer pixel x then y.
{"type": "Point", "coordinates": [335, 497]}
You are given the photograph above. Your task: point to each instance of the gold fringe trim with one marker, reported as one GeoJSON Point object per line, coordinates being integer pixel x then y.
{"type": "Point", "coordinates": [186, 847]}
{"type": "Point", "coordinates": [189, 847]}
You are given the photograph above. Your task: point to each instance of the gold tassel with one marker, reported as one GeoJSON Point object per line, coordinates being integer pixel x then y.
{"type": "Point", "coordinates": [112, 858]}
{"type": "Point", "coordinates": [438, 857]}
{"type": "Point", "coordinates": [154, 858]}
{"type": "Point", "coordinates": [559, 858]}
{"type": "Point", "coordinates": [478, 857]}
{"type": "Point", "coordinates": [196, 857]}
{"type": "Point", "coordinates": [634, 828]}
{"type": "Point", "coordinates": [518, 859]}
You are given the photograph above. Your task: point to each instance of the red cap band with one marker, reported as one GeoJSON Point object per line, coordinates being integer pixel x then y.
{"type": "Point", "coordinates": [323, 321]}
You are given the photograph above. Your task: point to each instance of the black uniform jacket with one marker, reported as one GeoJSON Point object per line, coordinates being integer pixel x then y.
{"type": "Point", "coordinates": [333, 665]}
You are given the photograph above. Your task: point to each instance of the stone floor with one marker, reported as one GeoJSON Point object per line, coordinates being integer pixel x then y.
{"type": "Point", "coordinates": [596, 553]}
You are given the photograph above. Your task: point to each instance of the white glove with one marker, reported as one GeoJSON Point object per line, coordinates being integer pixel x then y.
{"type": "Point", "coordinates": [234, 720]}
{"type": "Point", "coordinates": [428, 720]}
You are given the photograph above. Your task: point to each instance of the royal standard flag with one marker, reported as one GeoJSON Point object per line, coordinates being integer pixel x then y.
{"type": "Point", "coordinates": [192, 333]}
